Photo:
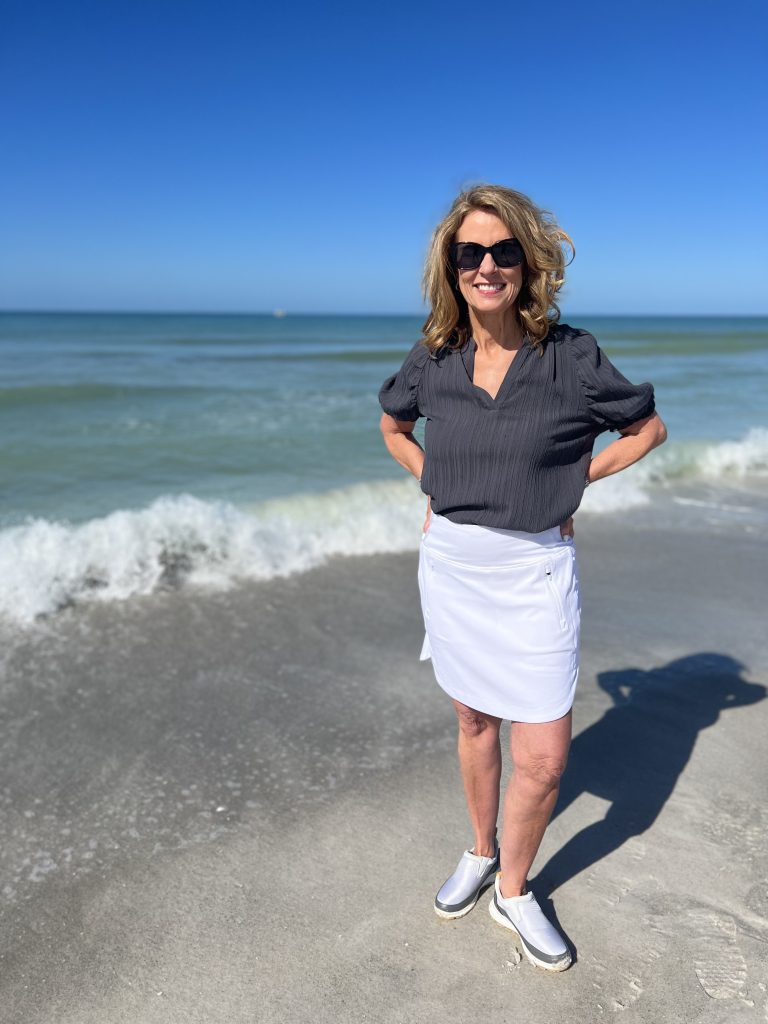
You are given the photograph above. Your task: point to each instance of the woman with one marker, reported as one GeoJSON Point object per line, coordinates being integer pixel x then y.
{"type": "Point", "coordinates": [513, 402]}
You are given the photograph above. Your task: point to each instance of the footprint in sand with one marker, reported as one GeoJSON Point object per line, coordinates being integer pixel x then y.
{"type": "Point", "coordinates": [636, 849]}
{"type": "Point", "coordinates": [719, 964]}
{"type": "Point", "coordinates": [740, 824]}
{"type": "Point", "coordinates": [628, 988]}
{"type": "Point", "coordinates": [712, 947]}
{"type": "Point", "coordinates": [609, 890]}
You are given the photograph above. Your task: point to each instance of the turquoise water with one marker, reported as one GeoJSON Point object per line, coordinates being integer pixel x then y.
{"type": "Point", "coordinates": [143, 434]}
{"type": "Point", "coordinates": [101, 412]}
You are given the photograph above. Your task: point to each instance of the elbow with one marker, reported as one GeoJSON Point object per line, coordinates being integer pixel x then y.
{"type": "Point", "coordinates": [390, 427]}
{"type": "Point", "coordinates": [389, 432]}
{"type": "Point", "coordinates": [660, 432]}
{"type": "Point", "coordinates": [387, 425]}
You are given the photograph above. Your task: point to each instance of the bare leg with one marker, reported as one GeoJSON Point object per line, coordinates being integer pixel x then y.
{"type": "Point", "coordinates": [539, 755]}
{"type": "Point", "coordinates": [480, 761]}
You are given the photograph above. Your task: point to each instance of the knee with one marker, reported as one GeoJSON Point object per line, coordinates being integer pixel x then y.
{"type": "Point", "coordinates": [543, 771]}
{"type": "Point", "coordinates": [474, 723]}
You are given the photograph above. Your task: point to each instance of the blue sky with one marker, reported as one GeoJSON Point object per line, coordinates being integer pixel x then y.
{"type": "Point", "coordinates": [220, 156]}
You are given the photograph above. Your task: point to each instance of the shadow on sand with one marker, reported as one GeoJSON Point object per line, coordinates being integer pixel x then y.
{"type": "Point", "coordinates": [634, 755]}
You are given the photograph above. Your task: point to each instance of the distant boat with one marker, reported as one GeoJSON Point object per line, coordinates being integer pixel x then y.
{"type": "Point", "coordinates": [279, 313]}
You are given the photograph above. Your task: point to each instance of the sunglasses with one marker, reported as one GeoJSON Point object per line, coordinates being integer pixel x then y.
{"type": "Point", "coordinates": [469, 255]}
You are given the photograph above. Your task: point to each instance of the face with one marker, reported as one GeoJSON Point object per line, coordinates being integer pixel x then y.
{"type": "Point", "coordinates": [489, 289]}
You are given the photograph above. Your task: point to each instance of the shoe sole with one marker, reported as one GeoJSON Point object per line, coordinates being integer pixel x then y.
{"type": "Point", "coordinates": [451, 915]}
{"type": "Point", "coordinates": [499, 918]}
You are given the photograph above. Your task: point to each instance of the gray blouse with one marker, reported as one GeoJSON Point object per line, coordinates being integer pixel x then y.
{"type": "Point", "coordinates": [517, 461]}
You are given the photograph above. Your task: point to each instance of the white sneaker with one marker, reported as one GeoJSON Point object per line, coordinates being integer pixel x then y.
{"type": "Point", "coordinates": [542, 943]}
{"type": "Point", "coordinates": [459, 893]}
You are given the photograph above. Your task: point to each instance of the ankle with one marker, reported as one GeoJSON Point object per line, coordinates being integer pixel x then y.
{"type": "Point", "coordinates": [483, 851]}
{"type": "Point", "coordinates": [508, 890]}
{"type": "Point", "coordinates": [488, 849]}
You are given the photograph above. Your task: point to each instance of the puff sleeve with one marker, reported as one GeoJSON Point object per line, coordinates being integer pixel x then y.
{"type": "Point", "coordinates": [613, 401]}
{"type": "Point", "coordinates": [399, 394]}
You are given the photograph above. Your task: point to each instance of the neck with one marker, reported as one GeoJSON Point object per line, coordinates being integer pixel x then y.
{"type": "Point", "coordinates": [496, 330]}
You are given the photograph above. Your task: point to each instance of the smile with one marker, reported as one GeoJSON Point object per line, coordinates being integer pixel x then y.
{"type": "Point", "coordinates": [490, 289]}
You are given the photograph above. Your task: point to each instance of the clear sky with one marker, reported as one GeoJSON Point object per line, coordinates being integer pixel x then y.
{"type": "Point", "coordinates": [247, 156]}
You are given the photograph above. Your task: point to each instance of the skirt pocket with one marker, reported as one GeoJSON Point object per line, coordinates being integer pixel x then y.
{"type": "Point", "coordinates": [557, 599]}
{"type": "Point", "coordinates": [562, 584]}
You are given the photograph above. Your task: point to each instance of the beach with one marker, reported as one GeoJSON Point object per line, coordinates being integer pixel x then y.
{"type": "Point", "coordinates": [230, 789]}
{"type": "Point", "coordinates": [229, 786]}
{"type": "Point", "coordinates": [238, 805]}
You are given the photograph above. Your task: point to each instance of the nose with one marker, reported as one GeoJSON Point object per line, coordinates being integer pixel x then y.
{"type": "Point", "coordinates": [487, 267]}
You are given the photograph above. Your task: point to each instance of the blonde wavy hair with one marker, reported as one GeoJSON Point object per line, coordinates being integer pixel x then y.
{"type": "Point", "coordinates": [543, 269]}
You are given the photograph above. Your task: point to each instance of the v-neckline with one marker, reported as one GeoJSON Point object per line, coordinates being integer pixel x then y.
{"type": "Point", "coordinates": [468, 358]}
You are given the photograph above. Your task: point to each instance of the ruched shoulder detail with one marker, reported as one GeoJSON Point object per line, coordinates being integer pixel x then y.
{"type": "Point", "coordinates": [399, 394]}
{"type": "Point", "coordinates": [612, 400]}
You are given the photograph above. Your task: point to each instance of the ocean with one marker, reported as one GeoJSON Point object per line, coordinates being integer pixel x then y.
{"type": "Point", "coordinates": [148, 452]}
{"type": "Point", "coordinates": [194, 680]}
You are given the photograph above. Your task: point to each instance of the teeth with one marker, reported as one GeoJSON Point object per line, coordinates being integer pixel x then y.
{"type": "Point", "coordinates": [490, 287]}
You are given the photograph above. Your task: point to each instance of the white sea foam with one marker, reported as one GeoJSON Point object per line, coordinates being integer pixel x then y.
{"type": "Point", "coordinates": [183, 541]}
{"type": "Point", "coordinates": [614, 493]}
{"type": "Point", "coordinates": [726, 462]}
{"type": "Point", "coordinates": [743, 458]}
{"type": "Point", "coordinates": [47, 565]}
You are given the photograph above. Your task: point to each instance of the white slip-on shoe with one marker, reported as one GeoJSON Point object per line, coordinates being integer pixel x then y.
{"type": "Point", "coordinates": [542, 943]}
{"type": "Point", "coordinates": [459, 893]}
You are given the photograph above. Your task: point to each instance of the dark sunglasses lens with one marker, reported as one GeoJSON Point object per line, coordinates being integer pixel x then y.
{"type": "Point", "coordinates": [508, 253]}
{"type": "Point", "coordinates": [468, 255]}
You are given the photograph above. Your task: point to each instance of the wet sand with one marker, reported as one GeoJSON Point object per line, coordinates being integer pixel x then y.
{"type": "Point", "coordinates": [238, 807]}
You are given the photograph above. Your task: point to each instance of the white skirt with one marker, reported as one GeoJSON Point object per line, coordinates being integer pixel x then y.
{"type": "Point", "coordinates": [502, 614]}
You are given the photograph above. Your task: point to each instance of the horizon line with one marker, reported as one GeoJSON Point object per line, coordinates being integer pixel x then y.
{"type": "Point", "coordinates": [281, 314]}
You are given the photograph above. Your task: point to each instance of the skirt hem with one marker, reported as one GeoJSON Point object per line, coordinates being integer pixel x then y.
{"type": "Point", "coordinates": [534, 716]}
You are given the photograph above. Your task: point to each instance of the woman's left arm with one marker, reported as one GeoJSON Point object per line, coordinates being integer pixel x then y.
{"type": "Point", "coordinates": [636, 441]}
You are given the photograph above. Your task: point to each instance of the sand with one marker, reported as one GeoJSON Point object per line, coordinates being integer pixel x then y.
{"type": "Point", "coordinates": [238, 807]}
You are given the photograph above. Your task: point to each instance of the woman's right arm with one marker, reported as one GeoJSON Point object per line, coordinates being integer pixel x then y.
{"type": "Point", "coordinates": [401, 444]}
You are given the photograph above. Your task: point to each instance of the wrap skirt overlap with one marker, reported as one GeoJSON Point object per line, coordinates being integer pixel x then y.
{"type": "Point", "coordinates": [502, 616]}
